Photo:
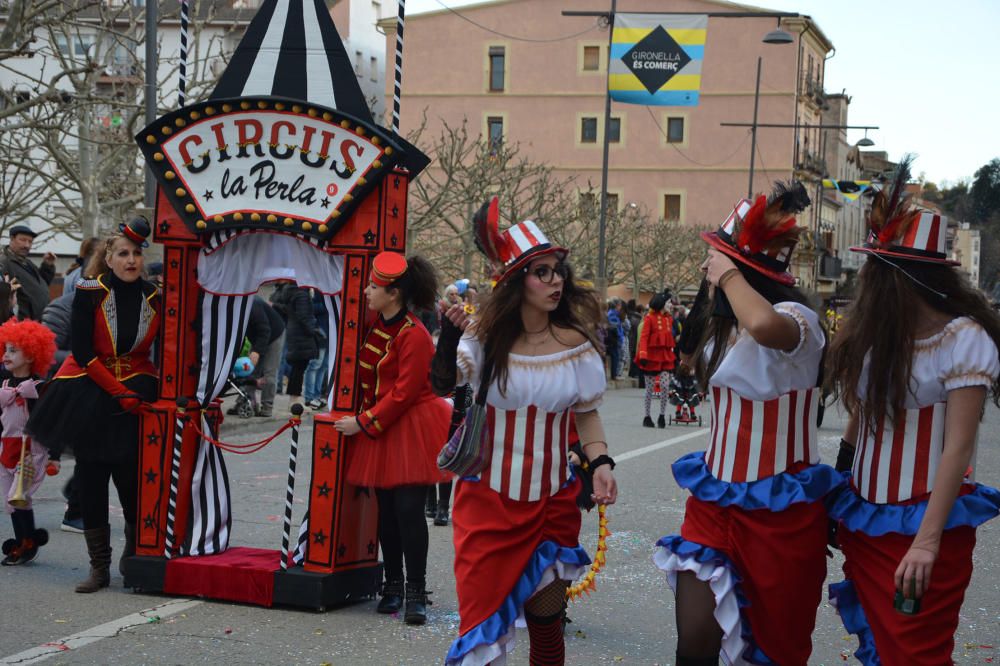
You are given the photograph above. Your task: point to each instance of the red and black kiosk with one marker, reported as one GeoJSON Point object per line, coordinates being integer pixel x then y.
{"type": "Point", "coordinates": [281, 174]}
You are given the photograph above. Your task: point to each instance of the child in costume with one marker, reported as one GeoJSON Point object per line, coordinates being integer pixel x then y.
{"type": "Point", "coordinates": [516, 524]}
{"type": "Point", "coordinates": [915, 392]}
{"type": "Point", "coordinates": [401, 426]}
{"type": "Point", "coordinates": [29, 348]}
{"type": "Point", "coordinates": [684, 395]}
{"type": "Point", "coordinates": [748, 567]}
{"type": "Point", "coordinates": [655, 355]}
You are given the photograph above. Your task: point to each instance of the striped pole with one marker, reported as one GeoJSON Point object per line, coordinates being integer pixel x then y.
{"type": "Point", "coordinates": [397, 89]}
{"type": "Point", "coordinates": [182, 85]}
{"type": "Point", "coordinates": [175, 472]}
{"type": "Point", "coordinates": [290, 492]}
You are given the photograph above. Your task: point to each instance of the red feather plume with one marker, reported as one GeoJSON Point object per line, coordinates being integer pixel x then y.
{"type": "Point", "coordinates": [891, 215]}
{"type": "Point", "coordinates": [770, 222]}
{"type": "Point", "coordinates": [486, 231]}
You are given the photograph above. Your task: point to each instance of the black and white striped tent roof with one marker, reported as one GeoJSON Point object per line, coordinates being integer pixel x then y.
{"type": "Point", "coordinates": [293, 50]}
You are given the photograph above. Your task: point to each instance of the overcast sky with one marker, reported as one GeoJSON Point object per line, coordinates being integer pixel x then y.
{"type": "Point", "coordinates": [927, 73]}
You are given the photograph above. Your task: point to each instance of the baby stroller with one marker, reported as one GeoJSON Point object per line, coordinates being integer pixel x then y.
{"type": "Point", "coordinates": [242, 383]}
{"type": "Point", "coordinates": [684, 395]}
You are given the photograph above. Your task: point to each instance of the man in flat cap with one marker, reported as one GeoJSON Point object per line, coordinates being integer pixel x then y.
{"type": "Point", "coordinates": [33, 295]}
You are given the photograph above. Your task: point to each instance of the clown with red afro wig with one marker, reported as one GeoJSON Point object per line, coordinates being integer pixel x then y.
{"type": "Point", "coordinates": [34, 340]}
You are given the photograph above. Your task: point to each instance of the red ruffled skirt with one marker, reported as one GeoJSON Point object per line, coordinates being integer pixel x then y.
{"type": "Point", "coordinates": [406, 453]}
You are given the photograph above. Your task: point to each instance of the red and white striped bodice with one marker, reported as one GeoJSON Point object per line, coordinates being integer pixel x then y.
{"type": "Point", "coordinates": [892, 466]}
{"type": "Point", "coordinates": [755, 439]}
{"type": "Point", "coordinates": [530, 448]}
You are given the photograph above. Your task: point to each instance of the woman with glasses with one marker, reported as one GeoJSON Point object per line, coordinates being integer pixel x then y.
{"type": "Point", "coordinates": [516, 524]}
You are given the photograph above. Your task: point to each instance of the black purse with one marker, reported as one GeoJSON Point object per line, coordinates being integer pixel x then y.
{"type": "Point", "coordinates": [469, 449]}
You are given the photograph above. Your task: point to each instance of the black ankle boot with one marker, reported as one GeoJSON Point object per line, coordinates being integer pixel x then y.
{"type": "Point", "coordinates": [696, 661]}
{"type": "Point", "coordinates": [662, 421]}
{"type": "Point", "coordinates": [431, 509]}
{"type": "Point", "coordinates": [416, 604]}
{"type": "Point", "coordinates": [441, 518]}
{"type": "Point", "coordinates": [648, 423]}
{"type": "Point", "coordinates": [392, 597]}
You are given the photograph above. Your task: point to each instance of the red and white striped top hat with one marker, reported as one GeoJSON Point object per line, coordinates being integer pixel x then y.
{"type": "Point", "coordinates": [922, 236]}
{"type": "Point", "coordinates": [514, 248]}
{"type": "Point", "coordinates": [762, 234]}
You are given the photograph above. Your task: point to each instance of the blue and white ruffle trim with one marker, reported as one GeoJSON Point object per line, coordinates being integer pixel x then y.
{"type": "Point", "coordinates": [859, 515]}
{"type": "Point", "coordinates": [494, 637]}
{"type": "Point", "coordinates": [844, 598]}
{"type": "Point", "coordinates": [775, 493]}
{"type": "Point", "coordinates": [675, 554]}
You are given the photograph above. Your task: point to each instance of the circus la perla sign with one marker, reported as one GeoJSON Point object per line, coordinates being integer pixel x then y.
{"type": "Point", "coordinates": [265, 163]}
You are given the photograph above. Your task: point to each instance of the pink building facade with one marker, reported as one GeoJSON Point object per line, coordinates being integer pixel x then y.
{"type": "Point", "coordinates": [548, 96]}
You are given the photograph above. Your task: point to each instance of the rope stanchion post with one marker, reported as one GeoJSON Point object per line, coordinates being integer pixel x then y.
{"type": "Point", "coordinates": [398, 85]}
{"type": "Point", "coordinates": [290, 492]}
{"type": "Point", "coordinates": [175, 471]}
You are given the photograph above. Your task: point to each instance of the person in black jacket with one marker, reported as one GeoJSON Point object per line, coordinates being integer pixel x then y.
{"type": "Point", "coordinates": [266, 333]}
{"type": "Point", "coordinates": [301, 337]}
{"type": "Point", "coordinates": [33, 295]}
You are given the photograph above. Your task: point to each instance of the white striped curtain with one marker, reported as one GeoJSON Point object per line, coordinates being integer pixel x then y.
{"type": "Point", "coordinates": [228, 287]}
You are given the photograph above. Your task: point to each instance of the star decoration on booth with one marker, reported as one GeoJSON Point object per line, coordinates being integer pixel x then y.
{"type": "Point", "coordinates": [342, 550]}
{"type": "Point", "coordinates": [369, 237]}
{"type": "Point", "coordinates": [148, 522]}
{"type": "Point", "coordinates": [371, 547]}
{"type": "Point", "coordinates": [324, 490]}
{"type": "Point", "coordinates": [351, 325]}
{"type": "Point", "coordinates": [319, 537]}
{"type": "Point", "coordinates": [395, 183]}
{"type": "Point", "coordinates": [164, 227]}
{"type": "Point", "coordinates": [169, 379]}
{"type": "Point", "coordinates": [172, 312]}
{"type": "Point", "coordinates": [395, 210]}
{"type": "Point", "coordinates": [394, 240]}
{"type": "Point", "coordinates": [151, 476]}
{"type": "Point", "coordinates": [152, 438]}
{"type": "Point", "coordinates": [324, 202]}
{"type": "Point", "coordinates": [174, 263]}
{"type": "Point", "coordinates": [345, 390]}
{"type": "Point", "coordinates": [355, 272]}
{"type": "Point", "coordinates": [326, 451]}
{"type": "Point", "coordinates": [208, 195]}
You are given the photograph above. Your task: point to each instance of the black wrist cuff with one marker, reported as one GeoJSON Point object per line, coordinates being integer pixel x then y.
{"type": "Point", "coordinates": [845, 457]}
{"type": "Point", "coordinates": [604, 459]}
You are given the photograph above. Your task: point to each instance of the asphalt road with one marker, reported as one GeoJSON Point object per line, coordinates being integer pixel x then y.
{"type": "Point", "coordinates": [628, 620]}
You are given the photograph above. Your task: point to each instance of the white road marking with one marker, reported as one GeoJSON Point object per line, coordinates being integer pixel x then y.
{"type": "Point", "coordinates": [660, 445]}
{"type": "Point", "coordinates": [107, 630]}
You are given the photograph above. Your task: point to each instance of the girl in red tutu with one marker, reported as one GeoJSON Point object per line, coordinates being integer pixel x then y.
{"type": "Point", "coordinates": [655, 356]}
{"type": "Point", "coordinates": [401, 426]}
{"type": "Point", "coordinates": [516, 524]}
{"type": "Point", "coordinates": [915, 391]}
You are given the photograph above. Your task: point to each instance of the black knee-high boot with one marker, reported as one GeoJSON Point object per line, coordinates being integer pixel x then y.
{"type": "Point", "coordinates": [696, 661]}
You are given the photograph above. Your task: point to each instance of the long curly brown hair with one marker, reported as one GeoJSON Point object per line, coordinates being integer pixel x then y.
{"type": "Point", "coordinates": [500, 323]}
{"type": "Point", "coordinates": [882, 322]}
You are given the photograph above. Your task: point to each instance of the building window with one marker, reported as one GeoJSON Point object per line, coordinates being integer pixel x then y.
{"type": "Point", "coordinates": [672, 207]}
{"type": "Point", "coordinates": [612, 202]}
{"type": "Point", "coordinates": [615, 130]}
{"type": "Point", "coordinates": [675, 130]}
{"type": "Point", "coordinates": [498, 66]}
{"type": "Point", "coordinates": [591, 58]}
{"type": "Point", "coordinates": [494, 129]}
{"type": "Point", "coordinates": [588, 130]}
{"type": "Point", "coordinates": [358, 59]}
{"type": "Point", "coordinates": [374, 68]}
{"type": "Point", "coordinates": [81, 44]}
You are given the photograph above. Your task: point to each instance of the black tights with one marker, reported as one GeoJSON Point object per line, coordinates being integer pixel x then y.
{"type": "Point", "coordinates": [92, 486]}
{"type": "Point", "coordinates": [699, 636]}
{"type": "Point", "coordinates": [402, 531]}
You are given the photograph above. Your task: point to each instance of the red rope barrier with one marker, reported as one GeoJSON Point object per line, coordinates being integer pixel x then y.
{"type": "Point", "coordinates": [244, 449]}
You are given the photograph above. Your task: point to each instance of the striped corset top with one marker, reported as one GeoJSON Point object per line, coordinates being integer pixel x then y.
{"type": "Point", "coordinates": [756, 439]}
{"type": "Point", "coordinates": [895, 465]}
{"type": "Point", "coordinates": [530, 448]}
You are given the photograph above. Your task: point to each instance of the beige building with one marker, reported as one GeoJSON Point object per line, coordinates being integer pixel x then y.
{"type": "Point", "coordinates": [965, 248]}
{"type": "Point", "coordinates": [521, 72]}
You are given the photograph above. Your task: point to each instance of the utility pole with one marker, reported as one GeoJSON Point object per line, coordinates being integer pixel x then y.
{"type": "Point", "coordinates": [602, 225]}
{"type": "Point", "coordinates": [150, 90]}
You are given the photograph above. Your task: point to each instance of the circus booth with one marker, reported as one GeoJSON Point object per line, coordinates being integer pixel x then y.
{"type": "Point", "coordinates": [281, 174]}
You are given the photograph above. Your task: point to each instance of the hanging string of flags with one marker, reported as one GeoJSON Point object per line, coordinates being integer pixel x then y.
{"type": "Point", "coordinates": [851, 189]}
{"type": "Point", "coordinates": [656, 58]}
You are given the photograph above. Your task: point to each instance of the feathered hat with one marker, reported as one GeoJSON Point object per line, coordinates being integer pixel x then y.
{"type": "Point", "coordinates": [897, 229]}
{"type": "Point", "coordinates": [762, 234]}
{"type": "Point", "coordinates": [513, 249]}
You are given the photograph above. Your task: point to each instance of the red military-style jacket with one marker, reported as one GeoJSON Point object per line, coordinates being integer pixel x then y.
{"type": "Point", "coordinates": [123, 364]}
{"type": "Point", "coordinates": [394, 372]}
{"type": "Point", "coordinates": [656, 343]}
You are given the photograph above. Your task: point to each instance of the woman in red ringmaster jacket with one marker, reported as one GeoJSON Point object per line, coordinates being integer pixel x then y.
{"type": "Point", "coordinates": [655, 356]}
{"type": "Point", "coordinates": [401, 425]}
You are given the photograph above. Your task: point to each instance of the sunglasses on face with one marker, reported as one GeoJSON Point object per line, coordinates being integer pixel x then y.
{"type": "Point", "coordinates": [546, 273]}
